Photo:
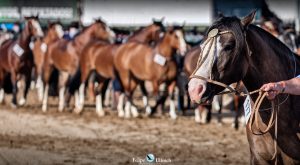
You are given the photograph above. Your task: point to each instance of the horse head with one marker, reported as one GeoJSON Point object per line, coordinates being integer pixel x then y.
{"type": "Point", "coordinates": [33, 26]}
{"type": "Point", "coordinates": [102, 31]}
{"type": "Point", "coordinates": [224, 57]}
{"type": "Point", "coordinates": [55, 30]}
{"type": "Point", "coordinates": [175, 36]}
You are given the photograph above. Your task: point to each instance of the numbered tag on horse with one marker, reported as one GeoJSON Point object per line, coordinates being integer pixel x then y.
{"type": "Point", "coordinates": [44, 47]}
{"type": "Point", "coordinates": [247, 108]}
{"type": "Point", "coordinates": [18, 50]}
{"type": "Point", "coordinates": [159, 59]}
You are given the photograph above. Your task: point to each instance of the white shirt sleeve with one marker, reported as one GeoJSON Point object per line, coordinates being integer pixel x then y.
{"type": "Point", "coordinates": [298, 76]}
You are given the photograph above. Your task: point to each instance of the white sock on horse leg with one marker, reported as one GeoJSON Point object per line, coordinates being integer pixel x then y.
{"type": "Point", "coordinates": [45, 99]}
{"type": "Point", "coordinates": [172, 109]}
{"type": "Point", "coordinates": [204, 115]}
{"type": "Point", "coordinates": [127, 109]}
{"type": "Point", "coordinates": [81, 96]}
{"type": "Point", "coordinates": [145, 101]}
{"type": "Point", "coordinates": [134, 111]}
{"type": "Point", "coordinates": [76, 100]}
{"type": "Point", "coordinates": [120, 105]}
{"type": "Point", "coordinates": [99, 107]}
{"type": "Point", "coordinates": [197, 115]}
{"type": "Point", "coordinates": [1, 95]}
{"type": "Point", "coordinates": [148, 110]}
{"type": "Point", "coordinates": [61, 103]}
{"type": "Point", "coordinates": [22, 101]}
{"type": "Point", "coordinates": [40, 88]}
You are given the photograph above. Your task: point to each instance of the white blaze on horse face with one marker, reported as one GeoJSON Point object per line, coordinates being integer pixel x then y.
{"type": "Point", "coordinates": [38, 28]}
{"type": "Point", "coordinates": [182, 44]}
{"type": "Point", "coordinates": [59, 31]}
{"type": "Point", "coordinates": [112, 35]}
{"type": "Point", "coordinates": [197, 87]}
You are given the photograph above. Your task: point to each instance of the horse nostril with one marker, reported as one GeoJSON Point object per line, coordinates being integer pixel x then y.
{"type": "Point", "coordinates": [195, 92]}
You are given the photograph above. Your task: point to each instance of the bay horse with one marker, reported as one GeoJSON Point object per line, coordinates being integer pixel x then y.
{"type": "Point", "coordinates": [16, 59]}
{"type": "Point", "coordinates": [64, 55]}
{"type": "Point", "coordinates": [98, 56]}
{"type": "Point", "coordinates": [237, 50]}
{"type": "Point", "coordinates": [136, 62]}
{"type": "Point", "coordinates": [40, 46]}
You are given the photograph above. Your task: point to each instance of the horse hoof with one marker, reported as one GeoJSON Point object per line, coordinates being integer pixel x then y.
{"type": "Point", "coordinates": [121, 114]}
{"type": "Point", "coordinates": [101, 113]}
{"type": "Point", "coordinates": [77, 111]}
{"type": "Point", "coordinates": [13, 106]}
{"type": "Point", "coordinates": [22, 102]}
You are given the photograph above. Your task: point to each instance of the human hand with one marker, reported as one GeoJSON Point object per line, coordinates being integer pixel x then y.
{"type": "Point", "coordinates": [273, 89]}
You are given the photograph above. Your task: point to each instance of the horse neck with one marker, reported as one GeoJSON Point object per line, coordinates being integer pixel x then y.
{"type": "Point", "coordinates": [83, 38]}
{"type": "Point", "coordinates": [49, 38]}
{"type": "Point", "coordinates": [141, 36]}
{"type": "Point", "coordinates": [24, 38]}
{"type": "Point", "coordinates": [269, 62]}
{"type": "Point", "coordinates": [164, 47]}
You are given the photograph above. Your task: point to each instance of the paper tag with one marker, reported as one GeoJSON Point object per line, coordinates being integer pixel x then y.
{"type": "Point", "coordinates": [31, 45]}
{"type": "Point", "coordinates": [18, 50]}
{"type": "Point", "coordinates": [44, 47]}
{"type": "Point", "coordinates": [247, 108]}
{"type": "Point", "coordinates": [159, 59]}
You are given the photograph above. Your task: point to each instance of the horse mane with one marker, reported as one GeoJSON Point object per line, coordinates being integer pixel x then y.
{"type": "Point", "coordinates": [277, 46]}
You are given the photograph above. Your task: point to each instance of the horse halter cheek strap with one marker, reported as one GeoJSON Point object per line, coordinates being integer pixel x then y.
{"type": "Point", "coordinates": [211, 42]}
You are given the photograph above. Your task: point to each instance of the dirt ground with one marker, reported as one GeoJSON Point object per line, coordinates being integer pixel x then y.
{"type": "Point", "coordinates": [29, 136]}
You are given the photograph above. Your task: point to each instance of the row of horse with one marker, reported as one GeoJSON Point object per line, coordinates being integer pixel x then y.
{"type": "Point", "coordinates": [147, 55]}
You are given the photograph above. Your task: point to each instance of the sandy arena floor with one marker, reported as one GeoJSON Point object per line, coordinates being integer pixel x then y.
{"type": "Point", "coordinates": [28, 136]}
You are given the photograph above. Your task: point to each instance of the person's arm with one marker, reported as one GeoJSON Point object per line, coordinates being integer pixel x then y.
{"type": "Point", "coordinates": [291, 86]}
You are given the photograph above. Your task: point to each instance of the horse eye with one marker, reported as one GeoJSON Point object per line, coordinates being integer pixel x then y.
{"type": "Point", "coordinates": [228, 47]}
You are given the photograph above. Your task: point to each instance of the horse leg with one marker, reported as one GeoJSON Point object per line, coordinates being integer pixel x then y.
{"type": "Point", "coordinates": [197, 114]}
{"type": "Point", "coordinates": [27, 74]}
{"type": "Point", "coordinates": [217, 102]}
{"type": "Point", "coordinates": [14, 89]}
{"type": "Point", "coordinates": [2, 93]}
{"type": "Point", "coordinates": [40, 87]}
{"type": "Point", "coordinates": [99, 104]}
{"type": "Point", "coordinates": [172, 111]}
{"type": "Point", "coordinates": [104, 92]}
{"type": "Point", "coordinates": [46, 77]}
{"type": "Point", "coordinates": [145, 93]}
{"type": "Point", "coordinates": [236, 112]}
{"type": "Point", "coordinates": [63, 78]}
{"type": "Point", "coordinates": [149, 111]}
{"type": "Point", "coordinates": [120, 109]}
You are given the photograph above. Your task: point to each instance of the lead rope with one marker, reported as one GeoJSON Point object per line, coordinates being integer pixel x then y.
{"type": "Point", "coordinates": [262, 94]}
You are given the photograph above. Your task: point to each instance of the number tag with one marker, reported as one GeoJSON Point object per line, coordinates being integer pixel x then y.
{"type": "Point", "coordinates": [44, 47]}
{"type": "Point", "coordinates": [247, 108]}
{"type": "Point", "coordinates": [18, 50]}
{"type": "Point", "coordinates": [159, 59]}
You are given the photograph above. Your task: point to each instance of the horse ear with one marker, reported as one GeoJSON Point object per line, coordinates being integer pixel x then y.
{"type": "Point", "coordinates": [248, 19]}
{"type": "Point", "coordinates": [220, 15]}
